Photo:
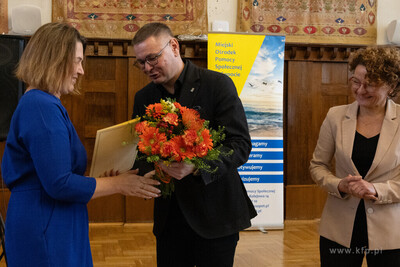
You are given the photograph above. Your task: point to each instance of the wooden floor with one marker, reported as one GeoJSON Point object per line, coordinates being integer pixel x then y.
{"type": "Point", "coordinates": [117, 245]}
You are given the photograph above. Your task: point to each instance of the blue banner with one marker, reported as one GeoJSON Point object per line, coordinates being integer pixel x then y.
{"type": "Point", "coordinates": [266, 155]}
{"type": "Point", "coordinates": [256, 63]}
{"type": "Point", "coordinates": [267, 143]}
{"type": "Point", "coordinates": [261, 167]}
{"type": "Point", "coordinates": [262, 179]}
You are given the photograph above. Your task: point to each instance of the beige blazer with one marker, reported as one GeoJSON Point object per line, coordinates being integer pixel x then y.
{"type": "Point", "coordinates": [336, 139]}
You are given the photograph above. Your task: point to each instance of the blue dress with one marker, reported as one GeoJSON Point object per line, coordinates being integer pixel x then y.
{"type": "Point", "coordinates": [43, 166]}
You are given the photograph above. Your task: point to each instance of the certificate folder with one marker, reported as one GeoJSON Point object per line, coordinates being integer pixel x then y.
{"type": "Point", "coordinates": [115, 148]}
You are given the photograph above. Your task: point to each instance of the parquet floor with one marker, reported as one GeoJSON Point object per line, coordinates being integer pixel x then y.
{"type": "Point", "coordinates": [132, 245]}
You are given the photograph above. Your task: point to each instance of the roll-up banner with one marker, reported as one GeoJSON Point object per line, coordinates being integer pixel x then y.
{"type": "Point", "coordinates": [255, 64]}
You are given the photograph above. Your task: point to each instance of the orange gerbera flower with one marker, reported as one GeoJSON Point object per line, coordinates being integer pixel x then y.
{"type": "Point", "coordinates": [201, 150]}
{"type": "Point", "coordinates": [141, 126]}
{"type": "Point", "coordinates": [177, 105]}
{"type": "Point", "coordinates": [190, 137]}
{"type": "Point", "coordinates": [155, 110]}
{"type": "Point", "coordinates": [169, 150]}
{"type": "Point", "coordinates": [183, 151]}
{"type": "Point", "coordinates": [206, 136]}
{"type": "Point", "coordinates": [171, 118]}
{"type": "Point", "coordinates": [150, 140]}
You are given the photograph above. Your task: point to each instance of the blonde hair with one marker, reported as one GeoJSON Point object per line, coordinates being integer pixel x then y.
{"type": "Point", "coordinates": [48, 59]}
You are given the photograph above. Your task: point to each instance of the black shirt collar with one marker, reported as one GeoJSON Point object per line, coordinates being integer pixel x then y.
{"type": "Point", "coordinates": [177, 86]}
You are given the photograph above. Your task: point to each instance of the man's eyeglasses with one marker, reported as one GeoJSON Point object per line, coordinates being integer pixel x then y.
{"type": "Point", "coordinates": [356, 84]}
{"type": "Point", "coordinates": [152, 60]}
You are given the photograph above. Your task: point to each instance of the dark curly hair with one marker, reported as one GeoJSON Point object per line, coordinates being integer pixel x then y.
{"type": "Point", "coordinates": [382, 64]}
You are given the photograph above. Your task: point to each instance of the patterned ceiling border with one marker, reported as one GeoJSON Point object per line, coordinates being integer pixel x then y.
{"type": "Point", "coordinates": [121, 19]}
{"type": "Point", "coordinates": [311, 21]}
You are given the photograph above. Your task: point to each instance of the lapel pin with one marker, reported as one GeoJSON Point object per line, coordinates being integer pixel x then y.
{"type": "Point", "coordinates": [192, 90]}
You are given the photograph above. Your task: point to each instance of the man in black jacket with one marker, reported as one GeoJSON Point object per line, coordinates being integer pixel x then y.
{"type": "Point", "coordinates": [199, 225]}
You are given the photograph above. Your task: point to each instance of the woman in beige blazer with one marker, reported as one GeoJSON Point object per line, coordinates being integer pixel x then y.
{"type": "Point", "coordinates": [362, 212]}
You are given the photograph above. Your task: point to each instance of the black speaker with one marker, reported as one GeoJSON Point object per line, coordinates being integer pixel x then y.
{"type": "Point", "coordinates": [11, 89]}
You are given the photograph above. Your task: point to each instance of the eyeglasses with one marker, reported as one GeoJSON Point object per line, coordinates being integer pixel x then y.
{"type": "Point", "coordinates": [356, 84]}
{"type": "Point", "coordinates": [152, 60]}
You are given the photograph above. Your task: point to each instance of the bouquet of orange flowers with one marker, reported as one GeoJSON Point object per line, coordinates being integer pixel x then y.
{"type": "Point", "coordinates": [170, 132]}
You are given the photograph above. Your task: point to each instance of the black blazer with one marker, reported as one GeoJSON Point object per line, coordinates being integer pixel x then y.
{"type": "Point", "coordinates": [217, 204]}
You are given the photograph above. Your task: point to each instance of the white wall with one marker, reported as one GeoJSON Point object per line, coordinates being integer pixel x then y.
{"type": "Point", "coordinates": [226, 10]}
{"type": "Point", "coordinates": [388, 10]}
{"type": "Point", "coordinates": [45, 6]}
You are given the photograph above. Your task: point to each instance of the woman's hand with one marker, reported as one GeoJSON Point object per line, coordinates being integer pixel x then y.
{"type": "Point", "coordinates": [132, 184]}
{"type": "Point", "coordinates": [356, 186]}
{"type": "Point", "coordinates": [128, 184]}
{"type": "Point", "coordinates": [344, 184]}
{"type": "Point", "coordinates": [363, 189]}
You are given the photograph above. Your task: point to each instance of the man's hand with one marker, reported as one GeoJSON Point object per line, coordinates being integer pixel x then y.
{"type": "Point", "coordinates": [178, 170]}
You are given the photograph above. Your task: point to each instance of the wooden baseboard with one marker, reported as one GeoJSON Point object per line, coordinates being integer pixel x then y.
{"type": "Point", "coordinates": [304, 202]}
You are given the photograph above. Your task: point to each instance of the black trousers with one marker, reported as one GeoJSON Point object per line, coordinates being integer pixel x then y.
{"type": "Point", "coordinates": [333, 254]}
{"type": "Point", "coordinates": [180, 246]}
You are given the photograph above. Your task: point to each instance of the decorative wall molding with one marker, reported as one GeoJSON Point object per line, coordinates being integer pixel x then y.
{"type": "Point", "coordinates": [198, 49]}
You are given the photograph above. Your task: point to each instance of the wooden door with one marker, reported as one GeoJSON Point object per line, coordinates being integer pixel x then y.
{"type": "Point", "coordinates": [312, 88]}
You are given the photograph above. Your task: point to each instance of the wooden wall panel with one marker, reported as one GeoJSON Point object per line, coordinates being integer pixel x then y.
{"type": "Point", "coordinates": [136, 209]}
{"type": "Point", "coordinates": [304, 202]}
{"type": "Point", "coordinates": [298, 120]}
{"type": "Point", "coordinates": [136, 81]}
{"type": "Point", "coordinates": [313, 87]}
{"type": "Point", "coordinates": [316, 79]}
{"type": "Point", "coordinates": [107, 209]}
{"type": "Point", "coordinates": [4, 192]}
{"type": "Point", "coordinates": [2, 146]}
{"type": "Point", "coordinates": [102, 103]}
{"type": "Point", "coordinates": [139, 210]}
{"type": "Point", "coordinates": [4, 198]}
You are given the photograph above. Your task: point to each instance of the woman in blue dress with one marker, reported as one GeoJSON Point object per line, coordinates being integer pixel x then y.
{"type": "Point", "coordinates": [44, 161]}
